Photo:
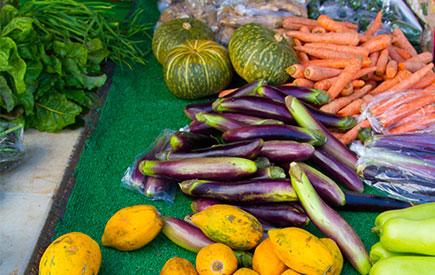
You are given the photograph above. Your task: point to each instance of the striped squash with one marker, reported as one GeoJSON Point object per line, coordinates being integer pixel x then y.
{"type": "Point", "coordinates": [197, 68]}
{"type": "Point", "coordinates": [175, 32]}
{"type": "Point", "coordinates": [258, 53]}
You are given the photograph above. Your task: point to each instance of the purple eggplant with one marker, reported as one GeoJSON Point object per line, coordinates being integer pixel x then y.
{"type": "Point", "coordinates": [269, 190]}
{"type": "Point", "coordinates": [286, 150]}
{"type": "Point", "coordinates": [184, 234]}
{"type": "Point", "coordinates": [406, 143]}
{"type": "Point", "coordinates": [329, 221]}
{"type": "Point", "coordinates": [197, 127]}
{"type": "Point", "coordinates": [279, 215]}
{"type": "Point", "coordinates": [346, 176]}
{"type": "Point", "coordinates": [325, 187]}
{"type": "Point", "coordinates": [245, 149]}
{"type": "Point", "coordinates": [218, 121]}
{"type": "Point", "coordinates": [159, 189]}
{"type": "Point", "coordinates": [247, 89]}
{"type": "Point", "coordinates": [271, 172]}
{"type": "Point", "coordinates": [251, 120]}
{"type": "Point", "coordinates": [254, 105]}
{"type": "Point", "coordinates": [372, 203]}
{"type": "Point", "coordinates": [279, 132]}
{"type": "Point", "coordinates": [219, 168]}
{"type": "Point", "coordinates": [186, 141]}
{"type": "Point", "coordinates": [271, 93]}
{"type": "Point", "coordinates": [341, 123]}
{"type": "Point", "coordinates": [332, 146]}
{"type": "Point", "coordinates": [312, 96]}
{"type": "Point", "coordinates": [192, 109]}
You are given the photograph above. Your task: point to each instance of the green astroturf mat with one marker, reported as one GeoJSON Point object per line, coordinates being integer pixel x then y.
{"type": "Point", "coordinates": [138, 107]}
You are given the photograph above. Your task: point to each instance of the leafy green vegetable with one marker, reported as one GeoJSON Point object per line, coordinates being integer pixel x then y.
{"type": "Point", "coordinates": [11, 62]}
{"type": "Point", "coordinates": [7, 98]}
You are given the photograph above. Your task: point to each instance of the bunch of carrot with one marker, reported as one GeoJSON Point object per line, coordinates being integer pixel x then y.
{"type": "Point", "coordinates": [354, 67]}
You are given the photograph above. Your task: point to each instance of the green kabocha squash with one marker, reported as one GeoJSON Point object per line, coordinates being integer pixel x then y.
{"type": "Point", "coordinates": [175, 32]}
{"type": "Point", "coordinates": [259, 53]}
{"type": "Point", "coordinates": [197, 68]}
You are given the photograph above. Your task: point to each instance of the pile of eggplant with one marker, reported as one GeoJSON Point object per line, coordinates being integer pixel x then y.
{"type": "Point", "coordinates": [237, 150]}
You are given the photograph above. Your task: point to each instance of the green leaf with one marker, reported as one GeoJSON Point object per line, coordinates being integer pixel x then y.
{"type": "Point", "coordinates": [81, 97]}
{"type": "Point", "coordinates": [92, 82]}
{"type": "Point", "coordinates": [26, 99]}
{"type": "Point", "coordinates": [19, 28]}
{"type": "Point", "coordinates": [96, 51]}
{"type": "Point", "coordinates": [7, 12]}
{"type": "Point", "coordinates": [7, 98]}
{"type": "Point", "coordinates": [51, 62]}
{"type": "Point", "coordinates": [12, 63]}
{"type": "Point", "coordinates": [34, 69]}
{"type": "Point", "coordinates": [75, 51]}
{"type": "Point", "coordinates": [54, 112]}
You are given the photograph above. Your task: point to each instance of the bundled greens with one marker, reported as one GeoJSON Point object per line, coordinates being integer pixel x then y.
{"type": "Point", "coordinates": [51, 54]}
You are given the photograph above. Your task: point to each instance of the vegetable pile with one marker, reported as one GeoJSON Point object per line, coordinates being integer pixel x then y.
{"type": "Point", "coordinates": [51, 54]}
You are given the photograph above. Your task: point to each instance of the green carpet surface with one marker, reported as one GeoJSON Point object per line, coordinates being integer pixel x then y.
{"type": "Point", "coordinates": [138, 107]}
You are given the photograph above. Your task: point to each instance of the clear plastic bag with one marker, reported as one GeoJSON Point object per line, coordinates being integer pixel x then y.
{"type": "Point", "coordinates": [401, 112]}
{"type": "Point", "coordinates": [11, 145]}
{"type": "Point", "coordinates": [403, 166]}
{"type": "Point", "coordinates": [151, 187]}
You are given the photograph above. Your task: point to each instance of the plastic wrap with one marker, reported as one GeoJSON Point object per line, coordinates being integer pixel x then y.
{"type": "Point", "coordinates": [401, 165]}
{"type": "Point", "coordinates": [396, 14]}
{"type": "Point", "coordinates": [151, 187]}
{"type": "Point", "coordinates": [402, 112]}
{"type": "Point", "coordinates": [224, 16]}
{"type": "Point", "coordinates": [11, 145]}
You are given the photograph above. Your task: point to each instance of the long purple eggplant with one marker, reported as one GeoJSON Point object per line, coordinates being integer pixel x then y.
{"type": "Point", "coordinates": [272, 190]}
{"type": "Point", "coordinates": [312, 96]}
{"type": "Point", "coordinates": [245, 149]}
{"type": "Point", "coordinates": [159, 189]}
{"type": "Point", "coordinates": [275, 132]}
{"type": "Point", "coordinates": [333, 146]}
{"type": "Point", "coordinates": [280, 215]}
{"type": "Point", "coordinates": [329, 221]}
{"type": "Point", "coordinates": [218, 121]}
{"type": "Point", "coordinates": [270, 92]}
{"type": "Point", "coordinates": [251, 120]}
{"type": "Point", "coordinates": [219, 168]}
{"type": "Point", "coordinates": [247, 89]}
{"type": "Point", "coordinates": [201, 128]}
{"type": "Point", "coordinates": [325, 186]}
{"type": "Point", "coordinates": [186, 141]}
{"type": "Point", "coordinates": [254, 105]}
{"type": "Point", "coordinates": [192, 109]}
{"type": "Point", "coordinates": [184, 234]}
{"type": "Point", "coordinates": [286, 150]}
{"type": "Point", "coordinates": [341, 123]}
{"type": "Point", "coordinates": [372, 203]}
{"type": "Point", "coordinates": [271, 172]}
{"type": "Point", "coordinates": [337, 170]}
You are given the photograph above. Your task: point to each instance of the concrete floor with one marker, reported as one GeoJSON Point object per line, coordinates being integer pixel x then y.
{"type": "Point", "coordinates": [26, 195]}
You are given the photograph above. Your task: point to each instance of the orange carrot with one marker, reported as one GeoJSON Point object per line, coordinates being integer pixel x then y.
{"type": "Point", "coordinates": [296, 70]}
{"type": "Point", "coordinates": [427, 80]}
{"type": "Point", "coordinates": [412, 126]}
{"type": "Point", "coordinates": [411, 66]}
{"type": "Point", "coordinates": [300, 21]}
{"type": "Point", "coordinates": [386, 103]}
{"type": "Point", "coordinates": [303, 83]}
{"type": "Point", "coordinates": [361, 73]}
{"type": "Point", "coordinates": [394, 54]}
{"type": "Point", "coordinates": [337, 104]}
{"type": "Point", "coordinates": [425, 57]}
{"type": "Point", "coordinates": [349, 25]}
{"type": "Point", "coordinates": [344, 38]}
{"type": "Point", "coordinates": [381, 65]}
{"type": "Point", "coordinates": [373, 28]}
{"type": "Point", "coordinates": [377, 43]}
{"type": "Point", "coordinates": [304, 29]}
{"type": "Point", "coordinates": [401, 41]}
{"type": "Point", "coordinates": [317, 73]}
{"type": "Point", "coordinates": [354, 108]}
{"type": "Point", "coordinates": [374, 58]}
{"type": "Point", "coordinates": [403, 53]}
{"type": "Point", "coordinates": [318, 30]}
{"type": "Point", "coordinates": [347, 49]}
{"type": "Point", "coordinates": [226, 92]}
{"type": "Point", "coordinates": [348, 90]}
{"type": "Point", "coordinates": [376, 77]}
{"type": "Point", "coordinates": [391, 70]}
{"type": "Point", "coordinates": [421, 114]}
{"type": "Point", "coordinates": [429, 88]}
{"type": "Point", "coordinates": [344, 78]}
{"type": "Point", "coordinates": [352, 134]}
{"type": "Point", "coordinates": [339, 63]}
{"type": "Point", "coordinates": [387, 84]}
{"type": "Point", "coordinates": [337, 135]}
{"type": "Point", "coordinates": [367, 98]}
{"type": "Point", "coordinates": [303, 57]}
{"type": "Point", "coordinates": [330, 24]}
{"type": "Point", "coordinates": [325, 84]}
{"type": "Point", "coordinates": [412, 79]}
{"type": "Point", "coordinates": [293, 26]}
{"type": "Point", "coordinates": [358, 83]}
{"type": "Point", "coordinates": [324, 53]}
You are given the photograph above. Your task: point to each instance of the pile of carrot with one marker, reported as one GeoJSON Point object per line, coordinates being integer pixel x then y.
{"type": "Point", "coordinates": [354, 68]}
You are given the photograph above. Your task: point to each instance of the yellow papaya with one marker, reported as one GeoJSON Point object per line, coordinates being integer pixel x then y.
{"type": "Point", "coordinates": [178, 266]}
{"type": "Point", "coordinates": [245, 271]}
{"type": "Point", "coordinates": [336, 254]}
{"type": "Point", "coordinates": [132, 227]}
{"type": "Point", "coordinates": [229, 225]}
{"type": "Point", "coordinates": [301, 251]}
{"type": "Point", "coordinates": [265, 261]}
{"type": "Point", "coordinates": [216, 259]}
{"type": "Point", "coordinates": [71, 254]}
{"type": "Point", "coordinates": [290, 272]}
